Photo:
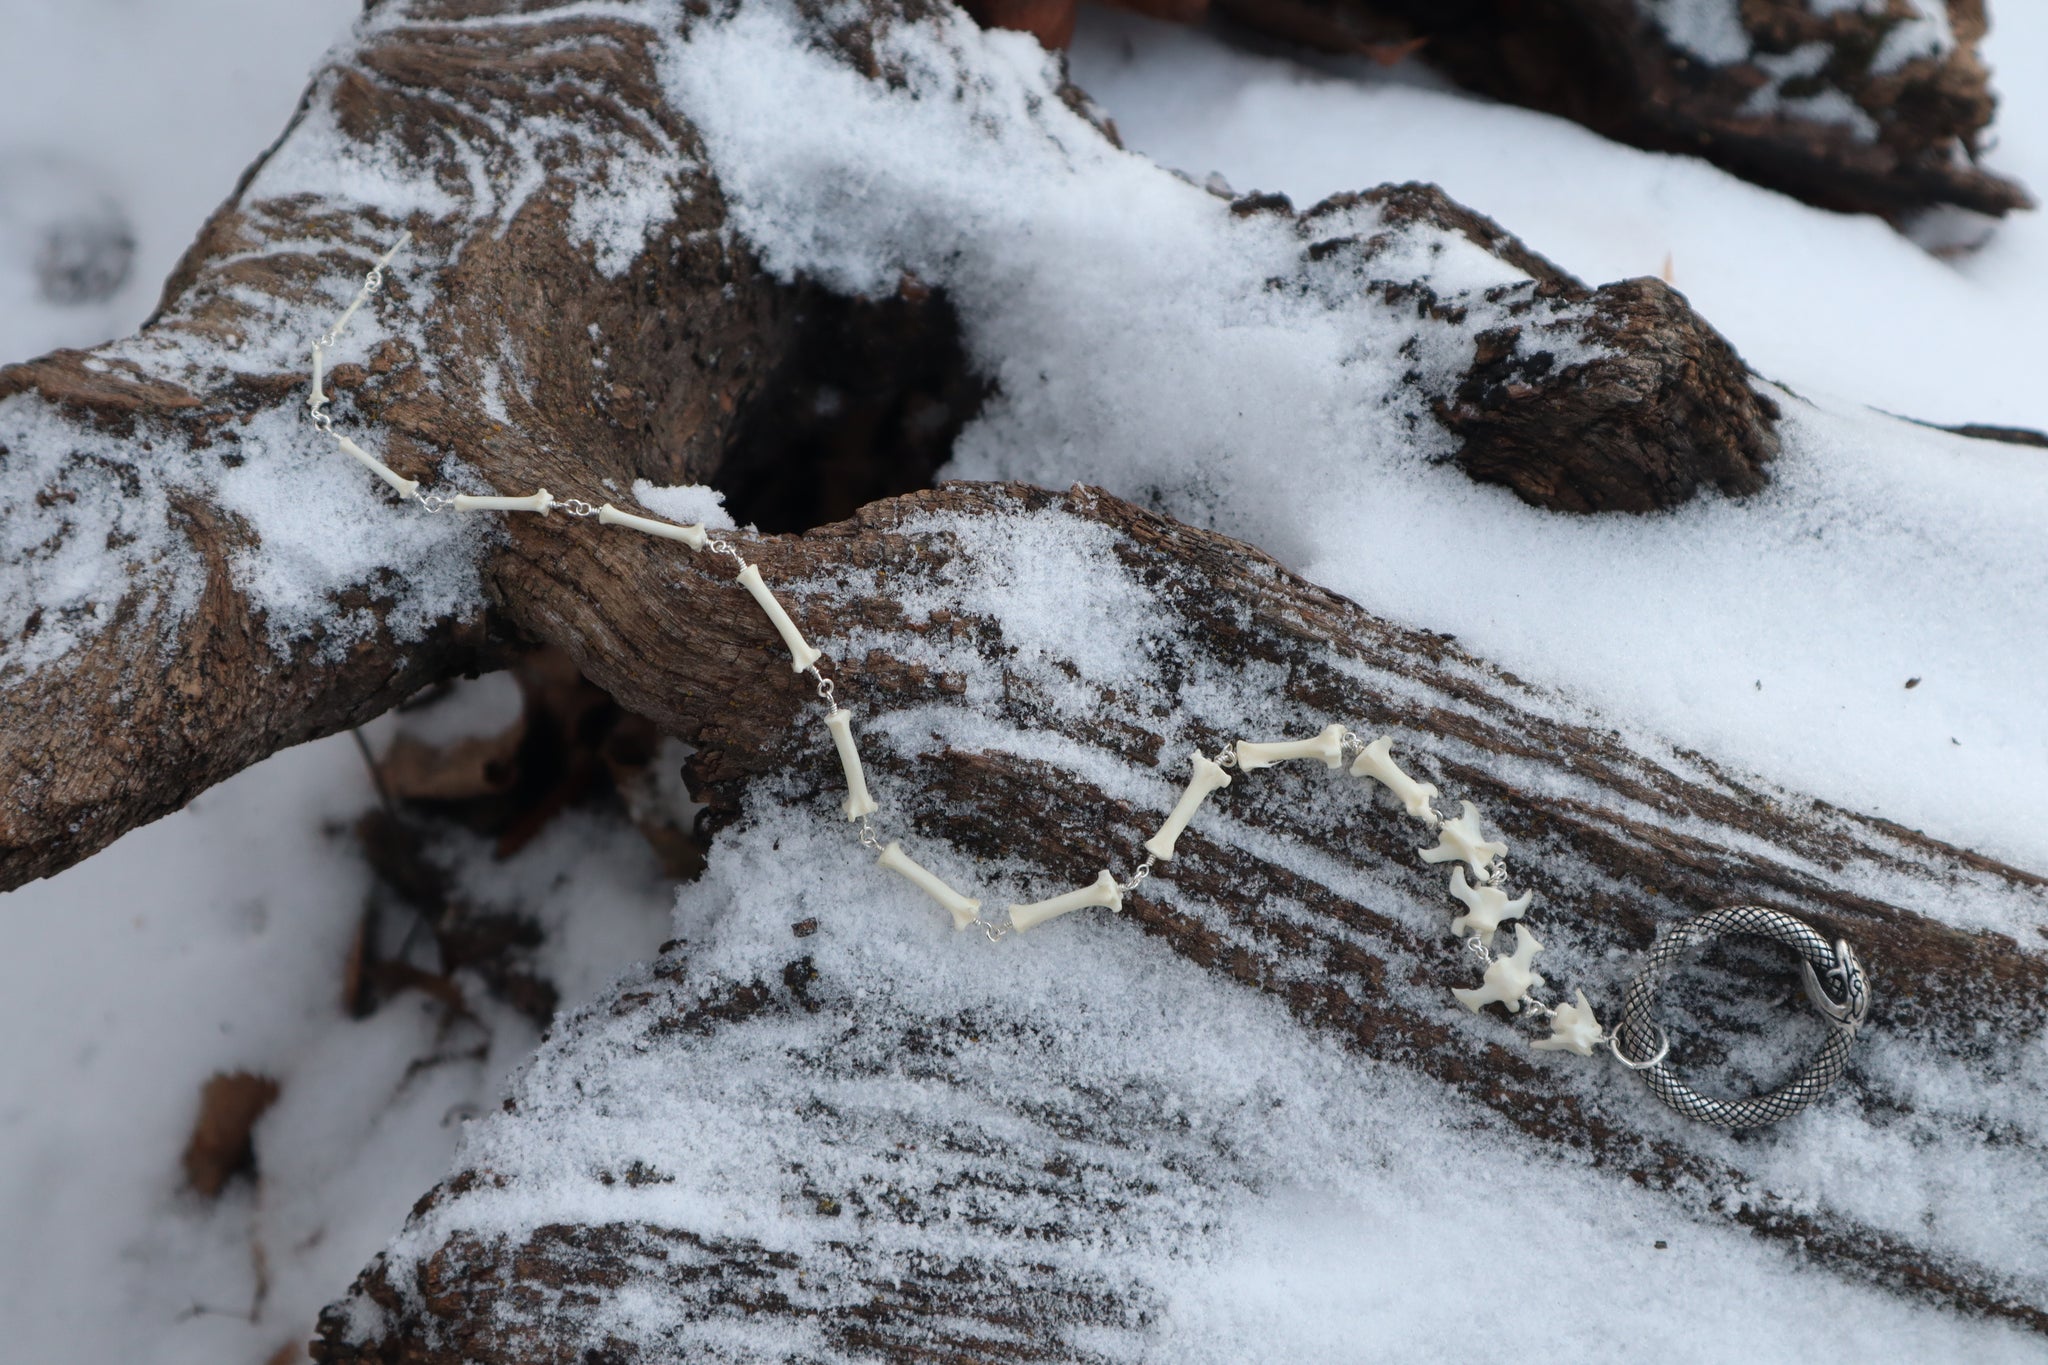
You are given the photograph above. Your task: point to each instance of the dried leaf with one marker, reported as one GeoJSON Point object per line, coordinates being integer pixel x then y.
{"type": "Point", "coordinates": [220, 1147]}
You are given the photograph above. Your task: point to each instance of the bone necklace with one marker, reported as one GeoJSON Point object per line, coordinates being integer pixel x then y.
{"type": "Point", "coordinates": [1509, 980]}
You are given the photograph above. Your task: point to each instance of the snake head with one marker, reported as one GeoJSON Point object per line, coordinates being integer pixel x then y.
{"type": "Point", "coordinates": [1846, 997]}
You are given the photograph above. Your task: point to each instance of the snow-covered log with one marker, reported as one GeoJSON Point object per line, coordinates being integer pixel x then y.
{"type": "Point", "coordinates": [193, 577]}
{"type": "Point", "coordinates": [1868, 108]}
{"type": "Point", "coordinates": [823, 1126]}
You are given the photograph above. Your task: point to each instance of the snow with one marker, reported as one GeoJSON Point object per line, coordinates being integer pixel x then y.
{"type": "Point", "coordinates": [215, 940]}
{"type": "Point", "coordinates": [689, 505]}
{"type": "Point", "coordinates": [1126, 317]}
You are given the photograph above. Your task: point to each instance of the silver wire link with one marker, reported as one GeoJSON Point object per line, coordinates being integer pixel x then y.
{"type": "Point", "coordinates": [575, 507]}
{"type": "Point", "coordinates": [1351, 746]}
{"type": "Point", "coordinates": [1663, 1050]}
{"type": "Point", "coordinates": [1138, 876]}
{"type": "Point", "coordinates": [825, 693]}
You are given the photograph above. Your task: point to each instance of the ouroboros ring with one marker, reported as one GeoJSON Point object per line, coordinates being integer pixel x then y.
{"type": "Point", "coordinates": [1842, 1001]}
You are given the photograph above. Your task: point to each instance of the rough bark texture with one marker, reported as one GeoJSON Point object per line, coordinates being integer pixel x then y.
{"type": "Point", "coordinates": [1617, 841]}
{"type": "Point", "coordinates": [1608, 65]}
{"type": "Point", "coordinates": [707, 370]}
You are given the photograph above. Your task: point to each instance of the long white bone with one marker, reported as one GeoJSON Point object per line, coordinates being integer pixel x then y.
{"type": "Point", "coordinates": [1208, 777]}
{"type": "Point", "coordinates": [319, 398]}
{"type": "Point", "coordinates": [1485, 907]}
{"type": "Point", "coordinates": [1573, 1029]}
{"type": "Point", "coordinates": [1508, 980]}
{"type": "Point", "coordinates": [533, 502]}
{"type": "Point", "coordinates": [1103, 891]}
{"type": "Point", "coordinates": [1461, 839]}
{"type": "Point", "coordinates": [1376, 761]}
{"type": "Point", "coordinates": [1327, 746]}
{"type": "Point", "coordinates": [801, 655]}
{"type": "Point", "coordinates": [692, 536]}
{"type": "Point", "coordinates": [406, 487]}
{"type": "Point", "coordinates": [858, 802]}
{"type": "Point", "coordinates": [963, 909]}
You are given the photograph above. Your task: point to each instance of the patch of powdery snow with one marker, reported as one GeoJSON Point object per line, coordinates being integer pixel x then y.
{"type": "Point", "coordinates": [1277, 1197]}
{"type": "Point", "coordinates": [689, 504]}
{"type": "Point", "coordinates": [1711, 30]}
{"type": "Point", "coordinates": [1826, 105]}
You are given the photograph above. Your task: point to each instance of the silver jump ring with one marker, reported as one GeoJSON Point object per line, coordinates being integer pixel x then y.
{"type": "Point", "coordinates": [1843, 1001]}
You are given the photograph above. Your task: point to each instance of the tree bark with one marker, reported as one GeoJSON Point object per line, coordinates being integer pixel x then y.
{"type": "Point", "coordinates": [518, 350]}
{"type": "Point", "coordinates": [1615, 840]}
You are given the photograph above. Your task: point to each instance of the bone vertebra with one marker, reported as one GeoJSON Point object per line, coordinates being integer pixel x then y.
{"type": "Point", "coordinates": [858, 802]}
{"type": "Point", "coordinates": [1573, 1029]}
{"type": "Point", "coordinates": [533, 502]}
{"type": "Point", "coordinates": [1208, 777]}
{"type": "Point", "coordinates": [1508, 980]}
{"type": "Point", "coordinates": [1461, 839]}
{"type": "Point", "coordinates": [801, 655]}
{"type": "Point", "coordinates": [1485, 907]}
{"type": "Point", "coordinates": [1327, 746]}
{"type": "Point", "coordinates": [1376, 761]}
{"type": "Point", "coordinates": [963, 909]}
{"type": "Point", "coordinates": [1103, 891]}
{"type": "Point", "coordinates": [406, 487]}
{"type": "Point", "coordinates": [692, 536]}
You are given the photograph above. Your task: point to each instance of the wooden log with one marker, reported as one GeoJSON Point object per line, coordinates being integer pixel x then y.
{"type": "Point", "coordinates": [956, 1149]}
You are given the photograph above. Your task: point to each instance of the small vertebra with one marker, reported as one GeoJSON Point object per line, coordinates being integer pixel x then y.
{"type": "Point", "coordinates": [1508, 980]}
{"type": "Point", "coordinates": [1462, 839]}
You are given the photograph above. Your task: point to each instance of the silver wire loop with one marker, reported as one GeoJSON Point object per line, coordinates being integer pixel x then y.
{"type": "Point", "coordinates": [1835, 985]}
{"type": "Point", "coordinates": [1663, 1050]}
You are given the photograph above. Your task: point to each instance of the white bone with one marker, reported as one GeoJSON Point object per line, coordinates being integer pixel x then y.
{"type": "Point", "coordinates": [692, 536]}
{"type": "Point", "coordinates": [406, 487]}
{"type": "Point", "coordinates": [1461, 839]}
{"type": "Point", "coordinates": [858, 802]}
{"type": "Point", "coordinates": [1208, 777]}
{"type": "Point", "coordinates": [1573, 1029]}
{"type": "Point", "coordinates": [1485, 907]}
{"type": "Point", "coordinates": [319, 398]}
{"type": "Point", "coordinates": [533, 502]}
{"type": "Point", "coordinates": [1103, 891]}
{"type": "Point", "coordinates": [1376, 761]}
{"type": "Point", "coordinates": [1327, 746]}
{"type": "Point", "coordinates": [801, 655]}
{"type": "Point", "coordinates": [1508, 980]}
{"type": "Point", "coordinates": [963, 909]}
